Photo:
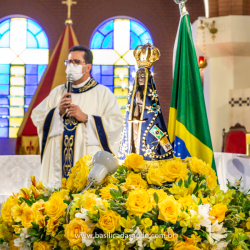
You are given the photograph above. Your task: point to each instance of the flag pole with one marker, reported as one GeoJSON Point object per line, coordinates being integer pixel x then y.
{"type": "Point", "coordinates": [182, 6]}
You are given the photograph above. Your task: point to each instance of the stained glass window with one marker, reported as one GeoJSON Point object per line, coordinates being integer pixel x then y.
{"type": "Point", "coordinates": [112, 45]}
{"type": "Point", "coordinates": [24, 57]}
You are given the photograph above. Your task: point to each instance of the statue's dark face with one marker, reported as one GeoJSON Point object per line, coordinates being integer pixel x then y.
{"type": "Point", "coordinates": [141, 77]}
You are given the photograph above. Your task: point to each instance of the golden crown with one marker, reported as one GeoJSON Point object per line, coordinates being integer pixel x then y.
{"type": "Point", "coordinates": [146, 55]}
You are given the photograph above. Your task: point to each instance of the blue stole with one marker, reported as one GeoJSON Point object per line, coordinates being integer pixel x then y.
{"type": "Point", "coordinates": [69, 134]}
{"type": "Point", "coordinates": [101, 134]}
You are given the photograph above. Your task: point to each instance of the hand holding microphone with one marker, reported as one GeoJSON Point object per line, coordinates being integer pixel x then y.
{"type": "Point", "coordinates": [66, 99]}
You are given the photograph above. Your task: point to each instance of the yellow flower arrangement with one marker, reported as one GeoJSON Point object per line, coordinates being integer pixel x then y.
{"type": "Point", "coordinates": [73, 232]}
{"type": "Point", "coordinates": [174, 170]}
{"type": "Point", "coordinates": [134, 181]}
{"type": "Point", "coordinates": [109, 221]}
{"type": "Point", "coordinates": [134, 162]}
{"type": "Point", "coordinates": [27, 217]}
{"type": "Point", "coordinates": [42, 245]}
{"type": "Point", "coordinates": [55, 207]}
{"type": "Point", "coordinates": [169, 210]}
{"type": "Point", "coordinates": [138, 202]}
{"type": "Point", "coordinates": [6, 209]}
{"type": "Point", "coordinates": [105, 192]}
{"type": "Point", "coordinates": [218, 212]}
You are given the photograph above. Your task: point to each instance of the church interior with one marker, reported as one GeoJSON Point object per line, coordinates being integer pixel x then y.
{"type": "Point", "coordinates": [212, 54]}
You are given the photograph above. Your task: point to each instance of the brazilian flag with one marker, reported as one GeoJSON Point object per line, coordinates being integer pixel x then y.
{"type": "Point", "coordinates": [188, 125]}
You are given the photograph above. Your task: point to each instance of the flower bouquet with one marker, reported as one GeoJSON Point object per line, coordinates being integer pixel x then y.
{"type": "Point", "coordinates": [174, 204]}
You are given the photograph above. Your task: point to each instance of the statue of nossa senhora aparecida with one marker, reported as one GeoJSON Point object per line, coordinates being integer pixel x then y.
{"type": "Point", "coordinates": [144, 129]}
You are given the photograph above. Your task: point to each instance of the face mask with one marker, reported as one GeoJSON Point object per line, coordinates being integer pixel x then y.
{"type": "Point", "coordinates": [75, 71]}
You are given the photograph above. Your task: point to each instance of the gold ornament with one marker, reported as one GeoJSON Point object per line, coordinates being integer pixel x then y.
{"type": "Point", "coordinates": [146, 55]}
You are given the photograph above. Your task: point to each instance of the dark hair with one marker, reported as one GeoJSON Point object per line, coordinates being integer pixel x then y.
{"type": "Point", "coordinates": [88, 56]}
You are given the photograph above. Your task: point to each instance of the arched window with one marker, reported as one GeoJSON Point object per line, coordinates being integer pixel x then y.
{"type": "Point", "coordinates": [24, 57]}
{"type": "Point", "coordinates": [112, 45]}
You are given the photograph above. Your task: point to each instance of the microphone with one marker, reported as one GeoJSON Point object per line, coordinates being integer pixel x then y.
{"type": "Point", "coordinates": [69, 85]}
{"type": "Point", "coordinates": [69, 90]}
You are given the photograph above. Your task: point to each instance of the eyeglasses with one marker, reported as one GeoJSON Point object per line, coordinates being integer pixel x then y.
{"type": "Point", "coordinates": [74, 61]}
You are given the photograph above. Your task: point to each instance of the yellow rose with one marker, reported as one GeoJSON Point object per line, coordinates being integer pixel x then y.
{"type": "Point", "coordinates": [134, 181]}
{"type": "Point", "coordinates": [105, 192]}
{"type": "Point", "coordinates": [55, 206]}
{"type": "Point", "coordinates": [27, 217]}
{"type": "Point", "coordinates": [73, 232]}
{"type": "Point", "coordinates": [218, 211]}
{"type": "Point", "coordinates": [169, 210]}
{"type": "Point", "coordinates": [134, 162]}
{"type": "Point", "coordinates": [42, 245]}
{"type": "Point", "coordinates": [78, 177]}
{"type": "Point", "coordinates": [91, 200]}
{"type": "Point", "coordinates": [197, 166]}
{"type": "Point", "coordinates": [174, 170]}
{"type": "Point", "coordinates": [185, 246]}
{"type": "Point", "coordinates": [109, 221]}
{"type": "Point", "coordinates": [155, 176]}
{"type": "Point", "coordinates": [160, 192]}
{"type": "Point", "coordinates": [138, 202]}
{"type": "Point", "coordinates": [6, 209]}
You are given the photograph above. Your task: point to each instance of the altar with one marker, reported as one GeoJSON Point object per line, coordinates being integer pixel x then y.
{"type": "Point", "coordinates": [16, 171]}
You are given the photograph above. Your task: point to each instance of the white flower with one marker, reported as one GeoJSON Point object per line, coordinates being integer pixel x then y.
{"type": "Point", "coordinates": [220, 245]}
{"type": "Point", "coordinates": [87, 239]}
{"type": "Point", "coordinates": [5, 246]}
{"type": "Point", "coordinates": [203, 216]}
{"type": "Point", "coordinates": [216, 231]}
{"type": "Point", "coordinates": [21, 243]}
{"type": "Point", "coordinates": [138, 237]}
{"type": "Point", "coordinates": [51, 188]}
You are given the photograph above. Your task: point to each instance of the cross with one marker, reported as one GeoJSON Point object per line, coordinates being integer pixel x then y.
{"type": "Point", "coordinates": [69, 3]}
{"type": "Point", "coordinates": [30, 148]}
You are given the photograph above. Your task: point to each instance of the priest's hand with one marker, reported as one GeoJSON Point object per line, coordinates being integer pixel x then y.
{"type": "Point", "coordinates": [65, 103]}
{"type": "Point", "coordinates": [75, 111]}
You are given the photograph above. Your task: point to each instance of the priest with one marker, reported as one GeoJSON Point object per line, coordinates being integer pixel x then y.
{"type": "Point", "coordinates": [71, 125]}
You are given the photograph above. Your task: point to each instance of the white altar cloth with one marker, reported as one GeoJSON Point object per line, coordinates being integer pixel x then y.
{"type": "Point", "coordinates": [15, 171]}
{"type": "Point", "coordinates": [232, 167]}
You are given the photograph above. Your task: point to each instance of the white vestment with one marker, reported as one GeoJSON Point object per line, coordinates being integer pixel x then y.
{"type": "Point", "coordinates": [101, 106]}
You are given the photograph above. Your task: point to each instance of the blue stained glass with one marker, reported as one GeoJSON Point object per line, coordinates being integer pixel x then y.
{"type": "Point", "coordinates": [31, 41]}
{"type": "Point", "coordinates": [42, 40]}
{"type": "Point", "coordinates": [31, 69]}
{"type": "Point", "coordinates": [4, 26]}
{"type": "Point", "coordinates": [41, 70]}
{"type": "Point", "coordinates": [108, 80]}
{"type": "Point", "coordinates": [107, 70]}
{"type": "Point", "coordinates": [28, 100]}
{"type": "Point", "coordinates": [4, 122]}
{"type": "Point", "coordinates": [4, 101]}
{"type": "Point", "coordinates": [30, 90]}
{"type": "Point", "coordinates": [96, 73]}
{"type": "Point", "coordinates": [97, 41]}
{"type": "Point", "coordinates": [25, 110]}
{"type": "Point", "coordinates": [5, 40]}
{"type": "Point", "coordinates": [136, 28]}
{"type": "Point", "coordinates": [146, 38]}
{"type": "Point", "coordinates": [108, 41]}
{"type": "Point", "coordinates": [134, 41]}
{"type": "Point", "coordinates": [33, 27]}
{"type": "Point", "coordinates": [4, 69]}
{"type": "Point", "coordinates": [4, 79]}
{"type": "Point", "coordinates": [107, 27]}
{"type": "Point", "coordinates": [31, 80]}
{"type": "Point", "coordinates": [4, 111]}
{"type": "Point", "coordinates": [4, 132]}
{"type": "Point", "coordinates": [131, 70]}
{"type": "Point", "coordinates": [4, 89]}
